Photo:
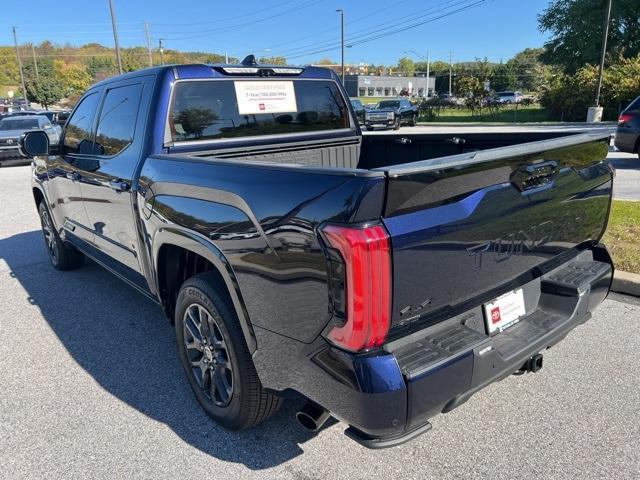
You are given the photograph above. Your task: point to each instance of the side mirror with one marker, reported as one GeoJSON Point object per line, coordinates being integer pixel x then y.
{"type": "Point", "coordinates": [35, 143]}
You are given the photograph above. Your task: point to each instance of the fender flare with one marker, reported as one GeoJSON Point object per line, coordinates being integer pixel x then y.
{"type": "Point", "coordinates": [196, 243]}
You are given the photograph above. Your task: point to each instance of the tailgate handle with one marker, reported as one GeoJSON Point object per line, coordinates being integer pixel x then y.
{"type": "Point", "coordinates": [535, 175]}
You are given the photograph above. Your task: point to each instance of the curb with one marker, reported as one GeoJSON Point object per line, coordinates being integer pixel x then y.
{"type": "Point", "coordinates": [627, 283]}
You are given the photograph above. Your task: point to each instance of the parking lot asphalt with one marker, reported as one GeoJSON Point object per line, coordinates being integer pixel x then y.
{"type": "Point", "coordinates": [91, 387]}
{"type": "Point", "coordinates": [627, 183]}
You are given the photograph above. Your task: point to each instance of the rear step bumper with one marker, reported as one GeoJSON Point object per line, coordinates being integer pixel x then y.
{"type": "Point", "coordinates": [444, 365]}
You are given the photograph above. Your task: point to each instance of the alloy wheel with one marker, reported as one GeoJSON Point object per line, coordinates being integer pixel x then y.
{"type": "Point", "coordinates": [208, 355]}
{"type": "Point", "coordinates": [49, 235]}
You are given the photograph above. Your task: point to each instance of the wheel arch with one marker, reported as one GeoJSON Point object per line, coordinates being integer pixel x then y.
{"type": "Point", "coordinates": [175, 249]}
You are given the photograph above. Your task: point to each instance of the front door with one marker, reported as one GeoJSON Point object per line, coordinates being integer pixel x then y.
{"type": "Point", "coordinates": [108, 178]}
{"type": "Point", "coordinates": [64, 175]}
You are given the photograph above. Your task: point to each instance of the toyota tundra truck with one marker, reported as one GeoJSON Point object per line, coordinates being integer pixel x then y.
{"type": "Point", "coordinates": [380, 278]}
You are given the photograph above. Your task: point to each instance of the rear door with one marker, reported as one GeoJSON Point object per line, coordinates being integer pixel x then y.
{"type": "Point", "coordinates": [108, 178]}
{"type": "Point", "coordinates": [470, 227]}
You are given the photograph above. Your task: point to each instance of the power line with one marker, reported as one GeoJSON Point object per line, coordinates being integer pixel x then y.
{"type": "Point", "coordinates": [375, 36]}
{"type": "Point", "coordinates": [356, 34]}
{"type": "Point", "coordinates": [204, 33]}
{"type": "Point", "coordinates": [217, 20]}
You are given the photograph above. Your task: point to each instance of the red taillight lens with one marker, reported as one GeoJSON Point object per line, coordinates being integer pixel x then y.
{"type": "Point", "coordinates": [367, 256]}
{"type": "Point", "coordinates": [625, 118]}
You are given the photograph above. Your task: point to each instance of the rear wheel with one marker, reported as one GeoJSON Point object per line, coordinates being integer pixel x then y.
{"type": "Point", "coordinates": [62, 255]}
{"type": "Point", "coordinates": [413, 121]}
{"type": "Point", "coordinates": [215, 356]}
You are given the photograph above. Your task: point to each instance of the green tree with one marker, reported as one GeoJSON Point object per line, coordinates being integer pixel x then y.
{"type": "Point", "coordinates": [576, 29]}
{"type": "Point", "coordinates": [504, 78]}
{"type": "Point", "coordinates": [473, 92]}
{"type": "Point", "coordinates": [406, 66]}
{"type": "Point", "coordinates": [529, 68]}
{"type": "Point", "coordinates": [46, 90]}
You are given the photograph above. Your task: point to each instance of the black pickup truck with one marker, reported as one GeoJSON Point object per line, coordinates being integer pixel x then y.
{"type": "Point", "coordinates": [382, 278]}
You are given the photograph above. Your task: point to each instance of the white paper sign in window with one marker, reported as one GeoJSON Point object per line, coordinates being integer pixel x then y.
{"type": "Point", "coordinates": [265, 97]}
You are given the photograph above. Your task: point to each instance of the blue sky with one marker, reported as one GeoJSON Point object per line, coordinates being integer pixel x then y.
{"type": "Point", "coordinates": [302, 30]}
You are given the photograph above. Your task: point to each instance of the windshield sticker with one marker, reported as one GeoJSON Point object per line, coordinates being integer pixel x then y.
{"type": "Point", "coordinates": [265, 97]}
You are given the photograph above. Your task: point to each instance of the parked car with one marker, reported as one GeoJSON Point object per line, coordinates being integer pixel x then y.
{"type": "Point", "coordinates": [14, 126]}
{"type": "Point", "coordinates": [507, 97]}
{"type": "Point", "coordinates": [358, 109]}
{"type": "Point", "coordinates": [383, 278]}
{"type": "Point", "coordinates": [447, 99]}
{"type": "Point", "coordinates": [628, 131]}
{"type": "Point", "coordinates": [392, 114]}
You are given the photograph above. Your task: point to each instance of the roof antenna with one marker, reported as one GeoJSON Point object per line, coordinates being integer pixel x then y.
{"type": "Point", "coordinates": [249, 61]}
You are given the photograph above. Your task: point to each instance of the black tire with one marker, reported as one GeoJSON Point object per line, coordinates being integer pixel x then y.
{"type": "Point", "coordinates": [228, 387]}
{"type": "Point", "coordinates": [62, 255]}
{"type": "Point", "coordinates": [396, 125]}
{"type": "Point", "coordinates": [414, 120]}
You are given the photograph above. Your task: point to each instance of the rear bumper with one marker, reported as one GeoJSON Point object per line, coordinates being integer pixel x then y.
{"type": "Point", "coordinates": [387, 398]}
{"type": "Point", "coordinates": [626, 140]}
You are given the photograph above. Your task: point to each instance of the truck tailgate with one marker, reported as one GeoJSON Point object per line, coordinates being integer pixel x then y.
{"type": "Point", "coordinates": [470, 227]}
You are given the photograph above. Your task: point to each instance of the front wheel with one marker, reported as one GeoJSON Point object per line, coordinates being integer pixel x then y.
{"type": "Point", "coordinates": [215, 356]}
{"type": "Point", "coordinates": [413, 121]}
{"type": "Point", "coordinates": [396, 125]}
{"type": "Point", "coordinates": [62, 255]}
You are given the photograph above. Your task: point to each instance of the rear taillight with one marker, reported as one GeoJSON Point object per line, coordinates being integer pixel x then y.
{"type": "Point", "coordinates": [366, 254]}
{"type": "Point", "coordinates": [625, 118]}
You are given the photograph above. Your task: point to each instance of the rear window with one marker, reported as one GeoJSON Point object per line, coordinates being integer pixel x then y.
{"type": "Point", "coordinates": [219, 109]}
{"type": "Point", "coordinates": [635, 105]}
{"type": "Point", "coordinates": [18, 123]}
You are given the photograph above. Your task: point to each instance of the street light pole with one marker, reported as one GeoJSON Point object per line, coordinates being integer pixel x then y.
{"type": "Point", "coordinates": [341, 11]}
{"type": "Point", "coordinates": [115, 36]}
{"type": "Point", "coordinates": [35, 62]}
{"type": "Point", "coordinates": [604, 51]}
{"type": "Point", "coordinates": [450, 71]}
{"type": "Point", "coordinates": [428, 59]}
{"type": "Point", "coordinates": [15, 41]}
{"type": "Point", "coordinates": [146, 32]}
{"type": "Point", "coordinates": [161, 48]}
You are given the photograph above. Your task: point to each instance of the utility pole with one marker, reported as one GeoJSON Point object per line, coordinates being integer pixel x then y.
{"type": "Point", "coordinates": [161, 48]}
{"type": "Point", "coordinates": [428, 59]}
{"type": "Point", "coordinates": [604, 51]}
{"type": "Point", "coordinates": [115, 36]}
{"type": "Point", "coordinates": [594, 113]}
{"type": "Point", "coordinates": [146, 32]}
{"type": "Point", "coordinates": [341, 12]}
{"type": "Point", "coordinates": [35, 62]}
{"type": "Point", "coordinates": [450, 70]}
{"type": "Point", "coordinates": [226, 58]}
{"type": "Point", "coordinates": [15, 41]}
{"type": "Point", "coordinates": [428, 68]}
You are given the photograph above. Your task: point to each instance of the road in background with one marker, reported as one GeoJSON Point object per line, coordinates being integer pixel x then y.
{"type": "Point", "coordinates": [91, 387]}
{"type": "Point", "coordinates": [626, 185]}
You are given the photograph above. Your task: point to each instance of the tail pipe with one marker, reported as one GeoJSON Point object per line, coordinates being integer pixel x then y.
{"type": "Point", "coordinates": [312, 416]}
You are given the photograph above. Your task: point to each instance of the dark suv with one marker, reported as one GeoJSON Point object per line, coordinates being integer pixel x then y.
{"type": "Point", "coordinates": [628, 131]}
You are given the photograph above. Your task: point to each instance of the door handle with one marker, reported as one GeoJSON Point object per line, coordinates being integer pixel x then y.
{"type": "Point", "coordinates": [73, 176]}
{"type": "Point", "coordinates": [119, 185]}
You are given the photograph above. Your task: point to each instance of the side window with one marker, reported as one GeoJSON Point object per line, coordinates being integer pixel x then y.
{"type": "Point", "coordinates": [77, 136]}
{"type": "Point", "coordinates": [117, 121]}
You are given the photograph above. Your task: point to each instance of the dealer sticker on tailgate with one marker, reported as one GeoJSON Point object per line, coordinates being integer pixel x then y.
{"type": "Point", "coordinates": [504, 311]}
